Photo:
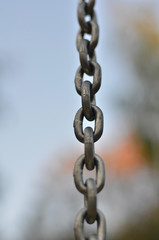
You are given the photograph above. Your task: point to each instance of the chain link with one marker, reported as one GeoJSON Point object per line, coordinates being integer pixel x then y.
{"type": "Point", "coordinates": [88, 136]}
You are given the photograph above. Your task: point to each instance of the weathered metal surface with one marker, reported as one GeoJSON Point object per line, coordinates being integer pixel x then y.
{"type": "Point", "coordinates": [88, 136]}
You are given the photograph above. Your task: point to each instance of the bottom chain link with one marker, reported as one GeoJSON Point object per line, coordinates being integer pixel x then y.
{"type": "Point", "coordinates": [79, 226]}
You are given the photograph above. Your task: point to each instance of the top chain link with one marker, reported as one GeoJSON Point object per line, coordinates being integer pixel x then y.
{"type": "Point", "coordinates": [88, 65]}
{"type": "Point", "coordinates": [85, 47]}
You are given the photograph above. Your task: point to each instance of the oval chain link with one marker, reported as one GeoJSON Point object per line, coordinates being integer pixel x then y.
{"type": "Point", "coordinates": [88, 66]}
{"type": "Point", "coordinates": [89, 148]}
{"type": "Point", "coordinates": [79, 226]}
{"type": "Point", "coordinates": [91, 200]}
{"type": "Point", "coordinates": [78, 174]}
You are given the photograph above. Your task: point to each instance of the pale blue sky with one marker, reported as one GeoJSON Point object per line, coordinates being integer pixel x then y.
{"type": "Point", "coordinates": [38, 58]}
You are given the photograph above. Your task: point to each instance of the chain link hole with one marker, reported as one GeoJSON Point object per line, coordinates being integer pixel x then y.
{"type": "Point", "coordinates": [87, 18]}
{"type": "Point", "coordinates": [88, 78]}
{"type": "Point", "coordinates": [87, 123]}
{"type": "Point", "coordinates": [87, 36]}
{"type": "Point", "coordinates": [89, 229]}
{"type": "Point", "coordinates": [88, 174]}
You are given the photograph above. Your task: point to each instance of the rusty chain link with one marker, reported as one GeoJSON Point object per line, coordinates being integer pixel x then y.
{"type": "Point", "coordinates": [89, 110]}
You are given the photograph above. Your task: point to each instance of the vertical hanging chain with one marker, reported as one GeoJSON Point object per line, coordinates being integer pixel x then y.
{"type": "Point", "coordinates": [91, 112]}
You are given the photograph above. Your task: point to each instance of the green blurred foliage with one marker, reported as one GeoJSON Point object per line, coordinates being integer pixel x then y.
{"type": "Point", "coordinates": [137, 31]}
{"type": "Point", "coordinates": [146, 228]}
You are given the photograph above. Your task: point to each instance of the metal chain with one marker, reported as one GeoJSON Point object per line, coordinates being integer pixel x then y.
{"type": "Point", "coordinates": [91, 112]}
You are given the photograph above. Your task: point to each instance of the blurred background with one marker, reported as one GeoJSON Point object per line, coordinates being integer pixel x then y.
{"type": "Point", "coordinates": [38, 102]}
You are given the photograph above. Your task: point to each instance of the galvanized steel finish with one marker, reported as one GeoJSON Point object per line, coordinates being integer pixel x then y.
{"type": "Point", "coordinates": [88, 136]}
